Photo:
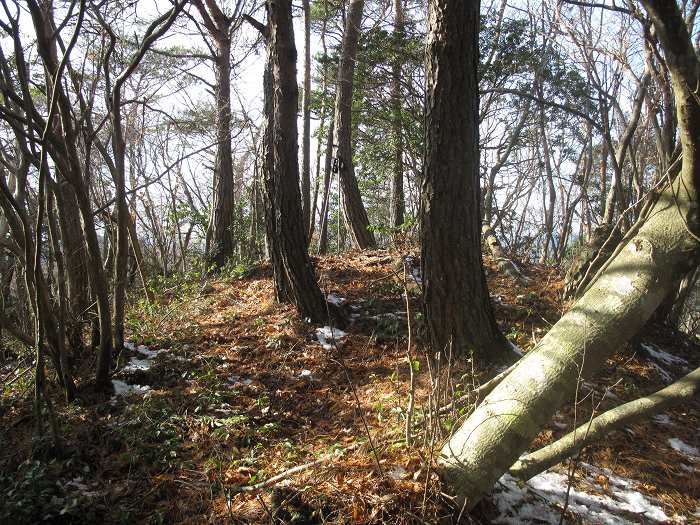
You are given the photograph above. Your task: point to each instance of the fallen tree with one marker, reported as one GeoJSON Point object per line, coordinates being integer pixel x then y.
{"type": "Point", "coordinates": [682, 390]}
{"type": "Point", "coordinates": [612, 310]}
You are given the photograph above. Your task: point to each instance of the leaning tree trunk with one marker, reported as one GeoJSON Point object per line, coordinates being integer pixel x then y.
{"type": "Point", "coordinates": [290, 234]}
{"type": "Point", "coordinates": [457, 305]}
{"type": "Point", "coordinates": [619, 417]}
{"type": "Point", "coordinates": [353, 209]}
{"type": "Point", "coordinates": [613, 309]}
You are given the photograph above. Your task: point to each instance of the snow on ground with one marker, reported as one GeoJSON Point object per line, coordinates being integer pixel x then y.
{"type": "Point", "coordinates": [335, 299]}
{"type": "Point", "coordinates": [121, 388]}
{"type": "Point", "coordinates": [664, 357]}
{"type": "Point", "coordinates": [541, 500]}
{"type": "Point", "coordinates": [137, 365]}
{"type": "Point", "coordinates": [330, 337]}
{"type": "Point", "coordinates": [685, 449]}
{"type": "Point", "coordinates": [663, 419]}
{"type": "Point", "coordinates": [413, 266]}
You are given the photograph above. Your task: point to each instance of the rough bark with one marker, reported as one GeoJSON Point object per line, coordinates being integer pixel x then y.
{"type": "Point", "coordinates": [682, 390]}
{"type": "Point", "coordinates": [325, 204]}
{"type": "Point", "coordinates": [306, 114]}
{"type": "Point", "coordinates": [353, 208]}
{"type": "Point", "coordinates": [613, 309]}
{"type": "Point", "coordinates": [218, 25]}
{"type": "Point", "coordinates": [397, 193]}
{"type": "Point", "coordinates": [290, 234]}
{"type": "Point", "coordinates": [457, 306]}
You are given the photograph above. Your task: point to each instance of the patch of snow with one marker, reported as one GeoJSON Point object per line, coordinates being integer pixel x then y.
{"type": "Point", "coordinates": [413, 267]}
{"type": "Point", "coordinates": [542, 498]}
{"type": "Point", "coordinates": [130, 346]}
{"type": "Point", "coordinates": [237, 380]}
{"type": "Point", "coordinates": [335, 299]}
{"type": "Point", "coordinates": [306, 373]}
{"type": "Point", "coordinates": [150, 354]}
{"type": "Point", "coordinates": [122, 388]}
{"type": "Point", "coordinates": [662, 419]}
{"type": "Point", "coordinates": [659, 355]}
{"type": "Point", "coordinates": [663, 373]}
{"type": "Point", "coordinates": [138, 365]}
{"type": "Point", "coordinates": [687, 450]}
{"type": "Point", "coordinates": [330, 337]}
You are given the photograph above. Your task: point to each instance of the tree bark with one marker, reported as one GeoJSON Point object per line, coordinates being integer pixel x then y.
{"type": "Point", "coordinates": [614, 308]}
{"type": "Point", "coordinates": [218, 25]}
{"type": "Point", "coordinates": [353, 209]}
{"type": "Point", "coordinates": [306, 134]}
{"type": "Point", "coordinates": [397, 193]}
{"type": "Point", "coordinates": [682, 390]}
{"type": "Point", "coordinates": [289, 237]}
{"type": "Point", "coordinates": [456, 298]}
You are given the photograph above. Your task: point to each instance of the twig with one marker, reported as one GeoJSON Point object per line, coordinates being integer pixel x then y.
{"type": "Point", "coordinates": [412, 391]}
{"type": "Point", "coordinates": [287, 473]}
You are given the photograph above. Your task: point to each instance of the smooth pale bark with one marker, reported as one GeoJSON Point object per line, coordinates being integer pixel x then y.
{"type": "Point", "coordinates": [613, 309]}
{"type": "Point", "coordinates": [353, 209]}
{"type": "Point", "coordinates": [616, 418]}
{"type": "Point", "coordinates": [456, 299]}
{"type": "Point", "coordinates": [397, 195]}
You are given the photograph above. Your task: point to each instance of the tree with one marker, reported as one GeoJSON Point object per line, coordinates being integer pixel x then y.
{"type": "Point", "coordinates": [457, 304]}
{"type": "Point", "coordinates": [645, 267]}
{"type": "Point", "coordinates": [294, 276]}
{"type": "Point", "coordinates": [219, 25]}
{"type": "Point", "coordinates": [397, 194]}
{"type": "Point", "coordinates": [306, 114]}
{"type": "Point", "coordinates": [353, 209]}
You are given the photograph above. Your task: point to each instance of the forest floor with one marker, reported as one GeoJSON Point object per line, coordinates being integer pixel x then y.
{"type": "Point", "coordinates": [220, 389]}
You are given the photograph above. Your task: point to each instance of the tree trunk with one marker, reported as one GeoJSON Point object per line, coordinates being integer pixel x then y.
{"type": "Point", "coordinates": [221, 248]}
{"type": "Point", "coordinates": [289, 236]}
{"type": "Point", "coordinates": [397, 194]}
{"type": "Point", "coordinates": [353, 209]}
{"type": "Point", "coordinates": [682, 390]}
{"type": "Point", "coordinates": [457, 305]}
{"type": "Point", "coordinates": [614, 308]}
{"type": "Point", "coordinates": [327, 176]}
{"type": "Point", "coordinates": [306, 134]}
{"type": "Point", "coordinates": [220, 244]}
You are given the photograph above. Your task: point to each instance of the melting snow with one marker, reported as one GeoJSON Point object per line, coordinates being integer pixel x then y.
{"type": "Point", "coordinates": [122, 388]}
{"type": "Point", "coordinates": [685, 449]}
{"type": "Point", "coordinates": [413, 267]}
{"type": "Point", "coordinates": [335, 299]}
{"type": "Point", "coordinates": [150, 354]}
{"type": "Point", "coordinates": [328, 337]}
{"type": "Point", "coordinates": [137, 365]}
{"type": "Point", "coordinates": [659, 355]}
{"type": "Point", "coordinates": [542, 498]}
{"type": "Point", "coordinates": [662, 419]}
